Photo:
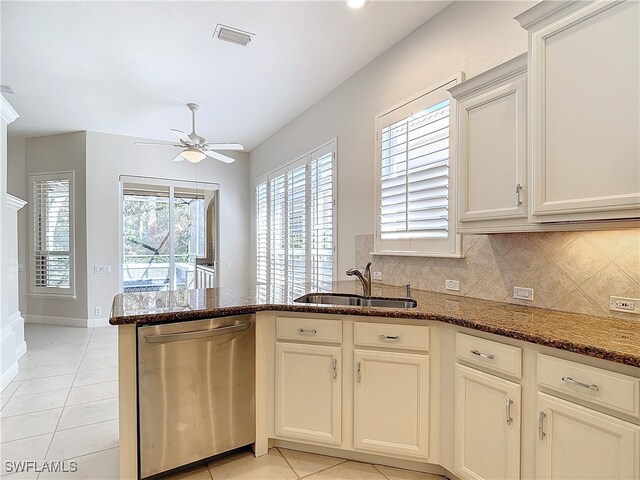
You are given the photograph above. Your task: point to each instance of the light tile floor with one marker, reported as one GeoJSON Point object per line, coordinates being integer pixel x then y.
{"type": "Point", "coordinates": [63, 406]}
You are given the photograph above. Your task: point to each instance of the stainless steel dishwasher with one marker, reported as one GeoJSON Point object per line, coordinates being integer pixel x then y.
{"type": "Point", "coordinates": [196, 391]}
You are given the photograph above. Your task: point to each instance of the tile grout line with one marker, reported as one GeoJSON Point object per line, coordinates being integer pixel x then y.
{"type": "Point", "coordinates": [286, 461]}
{"type": "Point", "coordinates": [379, 471]}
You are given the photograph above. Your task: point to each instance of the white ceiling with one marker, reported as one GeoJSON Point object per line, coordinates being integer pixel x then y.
{"type": "Point", "coordinates": [129, 67]}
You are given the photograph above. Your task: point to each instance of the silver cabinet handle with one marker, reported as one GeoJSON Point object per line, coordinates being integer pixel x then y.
{"type": "Point", "coordinates": [483, 355]}
{"type": "Point", "coordinates": [394, 338]}
{"type": "Point", "coordinates": [335, 368]}
{"type": "Point", "coordinates": [307, 331]}
{"type": "Point", "coordinates": [571, 381]}
{"type": "Point", "coordinates": [518, 189]}
{"type": "Point", "coordinates": [174, 337]}
{"type": "Point", "coordinates": [358, 372]}
{"type": "Point", "coordinates": [508, 411]}
{"type": "Point", "coordinates": [541, 433]}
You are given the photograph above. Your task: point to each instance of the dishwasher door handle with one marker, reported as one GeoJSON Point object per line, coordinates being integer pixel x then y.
{"type": "Point", "coordinates": [174, 337]}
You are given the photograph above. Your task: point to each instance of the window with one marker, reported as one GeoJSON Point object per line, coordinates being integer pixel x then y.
{"type": "Point", "coordinates": [415, 212]}
{"type": "Point", "coordinates": [52, 262]}
{"type": "Point", "coordinates": [295, 225]}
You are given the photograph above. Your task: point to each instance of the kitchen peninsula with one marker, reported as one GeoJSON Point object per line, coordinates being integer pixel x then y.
{"type": "Point", "coordinates": [415, 364]}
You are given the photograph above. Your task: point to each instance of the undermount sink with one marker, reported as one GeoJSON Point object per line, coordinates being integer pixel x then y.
{"type": "Point", "coordinates": [355, 300]}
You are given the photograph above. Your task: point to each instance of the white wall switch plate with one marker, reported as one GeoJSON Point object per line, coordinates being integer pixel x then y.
{"type": "Point", "coordinates": [623, 304]}
{"type": "Point", "coordinates": [453, 285]}
{"type": "Point", "coordinates": [228, 264]}
{"type": "Point", "coordinates": [98, 311]}
{"type": "Point", "coordinates": [102, 269]}
{"type": "Point", "coordinates": [377, 275]}
{"type": "Point", "coordinates": [523, 293]}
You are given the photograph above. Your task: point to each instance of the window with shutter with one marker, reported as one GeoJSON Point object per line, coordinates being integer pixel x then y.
{"type": "Point", "coordinates": [414, 181]}
{"type": "Point", "coordinates": [52, 265]}
{"type": "Point", "coordinates": [295, 231]}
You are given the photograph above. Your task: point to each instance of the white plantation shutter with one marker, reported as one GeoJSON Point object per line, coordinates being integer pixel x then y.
{"type": "Point", "coordinates": [262, 230]}
{"type": "Point", "coordinates": [322, 205]}
{"type": "Point", "coordinates": [52, 233]}
{"type": "Point", "coordinates": [295, 228]}
{"type": "Point", "coordinates": [415, 213]}
{"type": "Point", "coordinates": [297, 231]}
{"type": "Point", "coordinates": [278, 235]}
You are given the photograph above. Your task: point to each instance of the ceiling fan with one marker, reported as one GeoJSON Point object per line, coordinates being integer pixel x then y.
{"type": "Point", "coordinates": [194, 147]}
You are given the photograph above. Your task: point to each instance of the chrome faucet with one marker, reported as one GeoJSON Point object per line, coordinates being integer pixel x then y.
{"type": "Point", "coordinates": [365, 278]}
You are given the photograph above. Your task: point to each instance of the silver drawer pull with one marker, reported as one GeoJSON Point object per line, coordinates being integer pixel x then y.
{"type": "Point", "coordinates": [541, 433]}
{"type": "Point", "coordinates": [508, 411]}
{"type": "Point", "coordinates": [395, 338]}
{"type": "Point", "coordinates": [483, 355]}
{"type": "Point", "coordinates": [571, 381]}
{"type": "Point", "coordinates": [307, 331]}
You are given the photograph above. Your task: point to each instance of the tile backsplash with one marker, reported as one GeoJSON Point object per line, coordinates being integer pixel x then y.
{"type": "Point", "coordinates": [570, 271]}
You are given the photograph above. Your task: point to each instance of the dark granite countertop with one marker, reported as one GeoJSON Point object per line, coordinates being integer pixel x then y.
{"type": "Point", "coordinates": [607, 338]}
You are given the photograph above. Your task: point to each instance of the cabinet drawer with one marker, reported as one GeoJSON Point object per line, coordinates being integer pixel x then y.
{"type": "Point", "coordinates": [404, 337]}
{"type": "Point", "coordinates": [489, 354]}
{"type": "Point", "coordinates": [601, 387]}
{"type": "Point", "coordinates": [309, 329]}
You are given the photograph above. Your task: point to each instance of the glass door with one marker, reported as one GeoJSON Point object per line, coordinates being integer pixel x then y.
{"type": "Point", "coordinates": [165, 235]}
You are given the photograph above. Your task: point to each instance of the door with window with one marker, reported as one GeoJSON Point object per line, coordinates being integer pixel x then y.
{"type": "Point", "coordinates": [168, 234]}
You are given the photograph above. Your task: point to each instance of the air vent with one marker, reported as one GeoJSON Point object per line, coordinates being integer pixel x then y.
{"type": "Point", "coordinates": [233, 35]}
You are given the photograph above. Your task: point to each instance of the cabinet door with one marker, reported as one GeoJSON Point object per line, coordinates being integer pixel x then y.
{"type": "Point", "coordinates": [487, 432]}
{"type": "Point", "coordinates": [308, 392]}
{"type": "Point", "coordinates": [392, 402]}
{"type": "Point", "coordinates": [577, 442]}
{"type": "Point", "coordinates": [493, 150]}
{"type": "Point", "coordinates": [584, 72]}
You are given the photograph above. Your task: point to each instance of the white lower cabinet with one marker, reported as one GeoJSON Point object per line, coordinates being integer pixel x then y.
{"type": "Point", "coordinates": [576, 442]}
{"type": "Point", "coordinates": [308, 392]}
{"type": "Point", "coordinates": [487, 426]}
{"type": "Point", "coordinates": [392, 402]}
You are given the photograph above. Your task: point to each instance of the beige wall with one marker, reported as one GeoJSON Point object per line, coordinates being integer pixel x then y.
{"type": "Point", "coordinates": [56, 153]}
{"type": "Point", "coordinates": [468, 36]}
{"type": "Point", "coordinates": [109, 156]}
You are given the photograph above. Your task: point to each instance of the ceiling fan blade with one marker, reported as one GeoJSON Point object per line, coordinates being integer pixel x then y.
{"type": "Point", "coordinates": [182, 136]}
{"type": "Point", "coordinates": [178, 157]}
{"type": "Point", "coordinates": [159, 144]}
{"type": "Point", "coordinates": [223, 146]}
{"type": "Point", "coordinates": [218, 156]}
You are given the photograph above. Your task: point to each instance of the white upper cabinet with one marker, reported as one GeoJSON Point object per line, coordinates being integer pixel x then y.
{"type": "Point", "coordinates": [492, 149]}
{"type": "Point", "coordinates": [584, 72]}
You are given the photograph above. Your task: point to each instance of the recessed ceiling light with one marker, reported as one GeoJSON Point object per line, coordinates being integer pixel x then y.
{"type": "Point", "coordinates": [233, 35]}
{"type": "Point", "coordinates": [356, 3]}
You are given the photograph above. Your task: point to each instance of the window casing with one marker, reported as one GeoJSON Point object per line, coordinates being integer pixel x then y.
{"type": "Point", "coordinates": [52, 262]}
{"type": "Point", "coordinates": [296, 225]}
{"type": "Point", "coordinates": [415, 176]}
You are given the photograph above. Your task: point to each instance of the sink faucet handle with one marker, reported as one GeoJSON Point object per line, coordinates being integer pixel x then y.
{"type": "Point", "coordinates": [407, 290]}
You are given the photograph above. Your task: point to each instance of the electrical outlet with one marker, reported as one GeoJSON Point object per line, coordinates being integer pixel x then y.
{"type": "Point", "coordinates": [98, 310]}
{"type": "Point", "coordinates": [453, 285]}
{"type": "Point", "coordinates": [623, 304]}
{"type": "Point", "coordinates": [523, 293]}
{"type": "Point", "coordinates": [377, 276]}
{"type": "Point", "coordinates": [101, 269]}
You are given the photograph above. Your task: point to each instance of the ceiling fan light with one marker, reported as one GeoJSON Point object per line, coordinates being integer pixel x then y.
{"type": "Point", "coordinates": [193, 155]}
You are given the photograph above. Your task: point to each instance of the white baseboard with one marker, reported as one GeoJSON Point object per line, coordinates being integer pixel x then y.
{"type": "Point", "coordinates": [8, 375]}
{"type": "Point", "coordinates": [21, 350]}
{"type": "Point", "coordinates": [98, 322]}
{"type": "Point", "coordinates": [69, 322]}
